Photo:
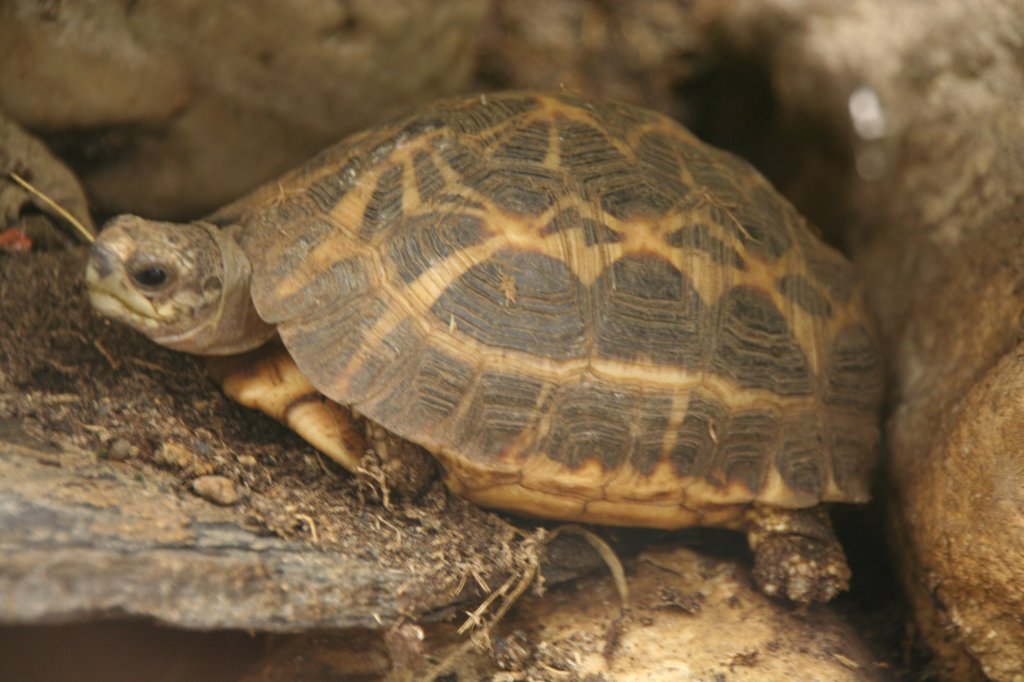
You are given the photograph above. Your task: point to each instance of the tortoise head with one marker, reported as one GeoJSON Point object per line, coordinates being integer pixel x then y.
{"type": "Point", "coordinates": [186, 286]}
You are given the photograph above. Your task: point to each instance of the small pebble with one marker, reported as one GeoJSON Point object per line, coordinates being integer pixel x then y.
{"type": "Point", "coordinates": [217, 489]}
{"type": "Point", "coordinates": [201, 468]}
{"type": "Point", "coordinates": [175, 455]}
{"type": "Point", "coordinates": [120, 450]}
{"type": "Point", "coordinates": [247, 460]}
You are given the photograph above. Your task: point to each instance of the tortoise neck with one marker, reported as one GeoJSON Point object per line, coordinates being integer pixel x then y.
{"type": "Point", "coordinates": [235, 327]}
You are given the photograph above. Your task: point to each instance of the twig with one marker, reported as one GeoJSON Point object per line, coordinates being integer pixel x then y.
{"type": "Point", "coordinates": [308, 520]}
{"type": "Point", "coordinates": [85, 232]}
{"type": "Point", "coordinates": [150, 366]}
{"type": "Point", "coordinates": [510, 594]}
{"type": "Point", "coordinates": [115, 365]}
{"type": "Point", "coordinates": [475, 617]}
{"type": "Point", "coordinates": [606, 552]}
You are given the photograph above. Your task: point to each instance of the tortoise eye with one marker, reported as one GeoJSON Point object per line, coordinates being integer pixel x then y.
{"type": "Point", "coordinates": [150, 277]}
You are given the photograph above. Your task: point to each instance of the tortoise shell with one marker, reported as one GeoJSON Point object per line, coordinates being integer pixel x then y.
{"type": "Point", "coordinates": [580, 309]}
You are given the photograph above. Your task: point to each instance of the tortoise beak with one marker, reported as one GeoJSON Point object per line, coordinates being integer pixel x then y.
{"type": "Point", "coordinates": [109, 295]}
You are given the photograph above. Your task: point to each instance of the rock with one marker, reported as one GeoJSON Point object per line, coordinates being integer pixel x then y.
{"type": "Point", "coordinates": [120, 450]}
{"type": "Point", "coordinates": [174, 108]}
{"type": "Point", "coordinates": [23, 154]}
{"type": "Point", "coordinates": [217, 489]}
{"type": "Point", "coordinates": [175, 455]}
{"type": "Point", "coordinates": [81, 538]}
{"type": "Point", "coordinates": [639, 51]}
{"type": "Point", "coordinates": [247, 461]}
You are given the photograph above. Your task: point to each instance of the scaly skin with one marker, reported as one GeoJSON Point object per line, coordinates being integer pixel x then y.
{"type": "Point", "coordinates": [796, 553]}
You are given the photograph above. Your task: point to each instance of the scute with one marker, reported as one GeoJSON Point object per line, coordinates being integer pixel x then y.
{"type": "Point", "coordinates": [646, 297]}
{"type": "Point", "coordinates": [578, 298]}
{"type": "Point", "coordinates": [431, 237]}
{"type": "Point", "coordinates": [502, 409]}
{"type": "Point", "coordinates": [385, 205]}
{"type": "Point", "coordinates": [518, 301]}
{"type": "Point", "coordinates": [754, 344]}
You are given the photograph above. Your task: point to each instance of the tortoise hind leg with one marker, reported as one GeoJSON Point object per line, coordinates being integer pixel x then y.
{"type": "Point", "coordinates": [267, 379]}
{"type": "Point", "coordinates": [796, 553]}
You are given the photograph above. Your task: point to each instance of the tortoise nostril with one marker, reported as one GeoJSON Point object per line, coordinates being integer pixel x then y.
{"type": "Point", "coordinates": [101, 261]}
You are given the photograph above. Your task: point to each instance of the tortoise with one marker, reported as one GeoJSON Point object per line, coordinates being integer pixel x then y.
{"type": "Point", "coordinates": [578, 308]}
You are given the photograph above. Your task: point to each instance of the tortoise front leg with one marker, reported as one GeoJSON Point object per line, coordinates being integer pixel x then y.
{"type": "Point", "coordinates": [267, 379]}
{"type": "Point", "coordinates": [796, 553]}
